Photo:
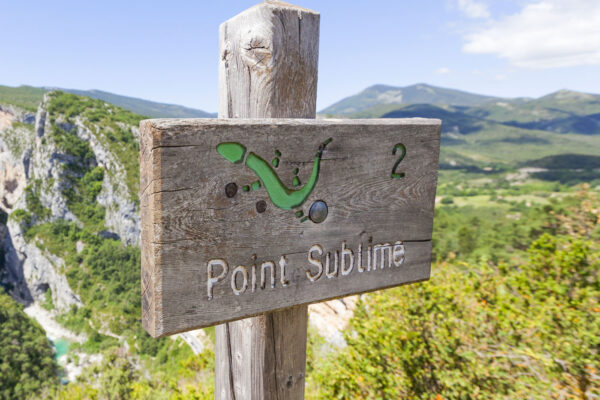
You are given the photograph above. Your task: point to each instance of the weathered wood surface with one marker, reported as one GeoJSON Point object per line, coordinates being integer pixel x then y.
{"type": "Point", "coordinates": [262, 357]}
{"type": "Point", "coordinates": [267, 68]}
{"type": "Point", "coordinates": [268, 62]}
{"type": "Point", "coordinates": [189, 219]}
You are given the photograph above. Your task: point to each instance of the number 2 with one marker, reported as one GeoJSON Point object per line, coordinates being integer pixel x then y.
{"type": "Point", "coordinates": [397, 175]}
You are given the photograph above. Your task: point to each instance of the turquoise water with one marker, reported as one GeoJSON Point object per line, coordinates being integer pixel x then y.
{"type": "Point", "coordinates": [61, 346]}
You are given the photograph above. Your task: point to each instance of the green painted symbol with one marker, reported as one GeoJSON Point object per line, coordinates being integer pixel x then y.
{"type": "Point", "coordinates": [233, 152]}
{"type": "Point", "coordinates": [281, 196]}
{"type": "Point", "coordinates": [402, 148]}
{"type": "Point", "coordinates": [255, 185]}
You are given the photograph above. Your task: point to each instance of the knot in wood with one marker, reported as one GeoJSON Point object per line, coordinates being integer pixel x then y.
{"type": "Point", "coordinates": [257, 52]}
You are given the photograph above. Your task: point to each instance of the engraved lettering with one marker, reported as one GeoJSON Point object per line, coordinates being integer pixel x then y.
{"type": "Point", "coordinates": [347, 252]}
{"type": "Point", "coordinates": [263, 266]}
{"type": "Point", "coordinates": [211, 279]}
{"type": "Point", "coordinates": [398, 253]}
{"type": "Point", "coordinates": [282, 265]}
{"type": "Point", "coordinates": [253, 273]}
{"type": "Point", "coordinates": [382, 248]}
{"type": "Point", "coordinates": [369, 252]}
{"type": "Point", "coordinates": [316, 263]}
{"type": "Point", "coordinates": [361, 268]}
{"type": "Point", "coordinates": [331, 263]}
{"type": "Point", "coordinates": [240, 269]}
{"type": "Point", "coordinates": [329, 273]}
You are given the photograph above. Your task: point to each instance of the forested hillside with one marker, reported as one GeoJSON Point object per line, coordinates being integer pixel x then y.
{"type": "Point", "coordinates": [511, 311]}
{"type": "Point", "coordinates": [28, 97]}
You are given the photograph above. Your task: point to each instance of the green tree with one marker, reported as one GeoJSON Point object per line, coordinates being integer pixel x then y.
{"type": "Point", "coordinates": [26, 358]}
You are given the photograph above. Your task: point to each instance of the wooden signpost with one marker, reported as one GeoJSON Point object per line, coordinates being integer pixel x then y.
{"type": "Point", "coordinates": [260, 217]}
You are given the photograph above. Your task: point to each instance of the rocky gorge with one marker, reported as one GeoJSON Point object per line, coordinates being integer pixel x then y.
{"type": "Point", "coordinates": [70, 225]}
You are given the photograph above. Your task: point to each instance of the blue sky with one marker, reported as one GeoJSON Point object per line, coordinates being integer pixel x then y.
{"type": "Point", "coordinates": [167, 51]}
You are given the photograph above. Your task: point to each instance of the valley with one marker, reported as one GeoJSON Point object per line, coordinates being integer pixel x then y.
{"type": "Point", "coordinates": [516, 235]}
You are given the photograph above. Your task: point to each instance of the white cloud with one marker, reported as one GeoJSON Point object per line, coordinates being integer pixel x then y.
{"type": "Point", "coordinates": [442, 71]}
{"type": "Point", "coordinates": [544, 34]}
{"type": "Point", "coordinates": [473, 8]}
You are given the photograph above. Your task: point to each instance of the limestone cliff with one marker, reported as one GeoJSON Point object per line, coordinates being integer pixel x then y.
{"type": "Point", "coordinates": [33, 165]}
{"type": "Point", "coordinates": [70, 224]}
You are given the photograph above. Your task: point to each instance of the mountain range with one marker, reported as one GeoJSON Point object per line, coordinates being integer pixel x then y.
{"type": "Point", "coordinates": [564, 111]}
{"type": "Point", "coordinates": [30, 97]}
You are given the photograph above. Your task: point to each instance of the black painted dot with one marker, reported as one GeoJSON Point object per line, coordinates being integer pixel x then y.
{"type": "Point", "coordinates": [230, 189]}
{"type": "Point", "coordinates": [261, 206]}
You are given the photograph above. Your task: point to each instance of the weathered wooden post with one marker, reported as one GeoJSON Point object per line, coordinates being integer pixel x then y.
{"type": "Point", "coordinates": [268, 66]}
{"type": "Point", "coordinates": [247, 221]}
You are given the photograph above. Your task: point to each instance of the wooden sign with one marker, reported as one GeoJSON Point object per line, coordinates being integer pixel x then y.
{"type": "Point", "coordinates": [242, 217]}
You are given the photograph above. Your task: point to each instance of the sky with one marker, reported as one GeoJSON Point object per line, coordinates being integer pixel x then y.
{"type": "Point", "coordinates": [168, 51]}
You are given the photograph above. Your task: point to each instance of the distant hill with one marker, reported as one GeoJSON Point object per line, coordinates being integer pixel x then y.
{"type": "Point", "coordinates": [29, 98]}
{"type": "Point", "coordinates": [479, 131]}
{"type": "Point", "coordinates": [144, 107]}
{"type": "Point", "coordinates": [564, 111]}
{"type": "Point", "coordinates": [452, 120]}
{"type": "Point", "coordinates": [419, 93]}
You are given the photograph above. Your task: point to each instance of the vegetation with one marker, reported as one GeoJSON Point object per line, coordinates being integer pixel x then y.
{"type": "Point", "coordinates": [383, 95]}
{"type": "Point", "coordinates": [26, 361]}
{"type": "Point", "coordinates": [111, 125]}
{"type": "Point", "coordinates": [185, 377]}
{"type": "Point", "coordinates": [488, 330]}
{"type": "Point", "coordinates": [511, 310]}
{"type": "Point", "coordinates": [26, 97]}
{"type": "Point", "coordinates": [18, 137]}
{"type": "Point", "coordinates": [102, 270]}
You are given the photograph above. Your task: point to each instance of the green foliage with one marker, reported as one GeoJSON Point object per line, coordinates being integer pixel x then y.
{"type": "Point", "coordinates": [144, 107]}
{"type": "Point", "coordinates": [448, 200]}
{"type": "Point", "coordinates": [382, 95]}
{"type": "Point", "coordinates": [567, 161]}
{"type": "Point", "coordinates": [26, 361]}
{"type": "Point", "coordinates": [111, 125]}
{"type": "Point", "coordinates": [22, 217]}
{"type": "Point", "coordinates": [48, 304]}
{"type": "Point", "coordinates": [123, 144]}
{"type": "Point", "coordinates": [105, 274]}
{"type": "Point", "coordinates": [118, 378]}
{"type": "Point", "coordinates": [68, 104]}
{"type": "Point", "coordinates": [483, 331]}
{"type": "Point", "coordinates": [81, 197]}
{"type": "Point", "coordinates": [71, 144]}
{"type": "Point", "coordinates": [510, 312]}
{"type": "Point", "coordinates": [17, 137]}
{"type": "Point", "coordinates": [507, 333]}
{"type": "Point", "coordinates": [32, 199]}
{"type": "Point", "coordinates": [26, 97]}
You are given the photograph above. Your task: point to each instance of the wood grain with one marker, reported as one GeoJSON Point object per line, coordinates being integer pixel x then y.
{"type": "Point", "coordinates": [268, 62]}
{"type": "Point", "coordinates": [267, 68]}
{"type": "Point", "coordinates": [189, 220]}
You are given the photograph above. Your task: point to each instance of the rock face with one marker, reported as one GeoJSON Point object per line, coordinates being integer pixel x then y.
{"type": "Point", "coordinates": [39, 270]}
{"type": "Point", "coordinates": [29, 273]}
{"type": "Point", "coordinates": [35, 174]}
{"type": "Point", "coordinates": [122, 215]}
{"type": "Point", "coordinates": [28, 158]}
{"type": "Point", "coordinates": [330, 318]}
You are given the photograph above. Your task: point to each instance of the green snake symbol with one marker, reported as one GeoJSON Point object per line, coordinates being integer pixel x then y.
{"type": "Point", "coordinates": [281, 196]}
